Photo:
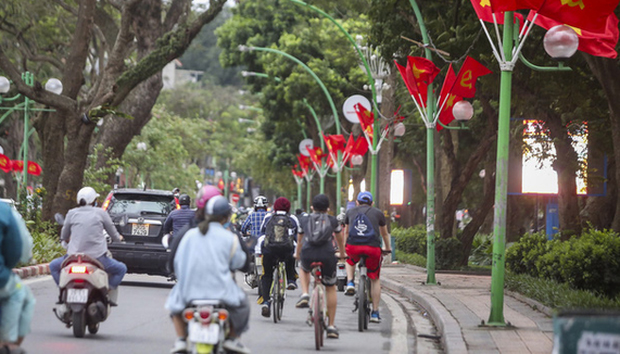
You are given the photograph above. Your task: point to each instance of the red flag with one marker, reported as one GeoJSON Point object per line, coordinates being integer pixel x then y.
{"type": "Point", "coordinates": [17, 165]}
{"type": "Point", "coordinates": [5, 163]}
{"type": "Point", "coordinates": [589, 15]}
{"type": "Point", "coordinates": [334, 143]}
{"type": "Point", "coordinates": [465, 83]}
{"type": "Point", "coordinates": [297, 173]}
{"type": "Point", "coordinates": [358, 146]}
{"type": "Point", "coordinates": [601, 45]}
{"type": "Point", "coordinates": [304, 162]}
{"type": "Point", "coordinates": [409, 80]}
{"type": "Point", "coordinates": [316, 155]}
{"type": "Point", "coordinates": [366, 118]}
{"type": "Point", "coordinates": [446, 116]}
{"type": "Point", "coordinates": [34, 168]}
{"type": "Point", "coordinates": [485, 9]}
{"type": "Point", "coordinates": [422, 72]}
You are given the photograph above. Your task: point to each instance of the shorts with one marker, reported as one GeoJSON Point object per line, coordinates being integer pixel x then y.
{"type": "Point", "coordinates": [324, 255]}
{"type": "Point", "coordinates": [373, 262]}
{"type": "Point", "coordinates": [17, 304]}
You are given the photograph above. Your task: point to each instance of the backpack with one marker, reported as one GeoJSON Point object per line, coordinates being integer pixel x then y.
{"type": "Point", "coordinates": [320, 229]}
{"type": "Point", "coordinates": [277, 232]}
{"type": "Point", "coordinates": [361, 230]}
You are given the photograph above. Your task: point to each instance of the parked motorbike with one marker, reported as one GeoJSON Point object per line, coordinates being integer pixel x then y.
{"type": "Point", "coordinates": [84, 294]}
{"type": "Point", "coordinates": [207, 326]}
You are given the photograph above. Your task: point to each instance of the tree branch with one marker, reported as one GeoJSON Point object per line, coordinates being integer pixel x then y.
{"type": "Point", "coordinates": [179, 10]}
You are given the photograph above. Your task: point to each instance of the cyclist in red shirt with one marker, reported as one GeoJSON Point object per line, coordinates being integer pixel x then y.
{"type": "Point", "coordinates": [365, 226]}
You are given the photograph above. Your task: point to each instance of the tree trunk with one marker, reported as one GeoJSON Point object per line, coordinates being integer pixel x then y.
{"type": "Point", "coordinates": [608, 74]}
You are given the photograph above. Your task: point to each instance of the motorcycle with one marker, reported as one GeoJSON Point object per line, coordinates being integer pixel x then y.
{"type": "Point", "coordinates": [84, 294]}
{"type": "Point", "coordinates": [208, 326]}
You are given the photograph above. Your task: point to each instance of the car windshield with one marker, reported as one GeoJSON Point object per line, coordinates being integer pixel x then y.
{"type": "Point", "coordinates": [141, 204]}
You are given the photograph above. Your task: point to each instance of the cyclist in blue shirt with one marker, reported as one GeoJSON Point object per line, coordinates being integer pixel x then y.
{"type": "Point", "coordinates": [254, 221]}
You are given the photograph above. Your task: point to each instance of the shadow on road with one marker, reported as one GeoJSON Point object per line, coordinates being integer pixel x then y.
{"type": "Point", "coordinates": [148, 284]}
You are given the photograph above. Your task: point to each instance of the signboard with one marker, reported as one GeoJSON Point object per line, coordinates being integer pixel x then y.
{"type": "Point", "coordinates": [349, 111]}
{"type": "Point", "coordinates": [304, 145]}
{"type": "Point", "coordinates": [234, 197]}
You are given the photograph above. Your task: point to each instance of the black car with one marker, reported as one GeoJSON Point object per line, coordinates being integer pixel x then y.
{"type": "Point", "coordinates": [139, 216]}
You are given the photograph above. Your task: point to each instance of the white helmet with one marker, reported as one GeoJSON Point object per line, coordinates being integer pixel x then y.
{"type": "Point", "coordinates": [88, 194]}
{"type": "Point", "coordinates": [260, 202]}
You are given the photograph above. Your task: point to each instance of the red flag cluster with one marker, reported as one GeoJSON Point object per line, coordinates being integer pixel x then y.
{"type": "Point", "coordinates": [7, 165]}
{"type": "Point", "coordinates": [419, 73]}
{"type": "Point", "coordinates": [593, 20]}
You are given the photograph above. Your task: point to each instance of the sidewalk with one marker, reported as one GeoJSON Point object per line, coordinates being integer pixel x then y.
{"type": "Point", "coordinates": [459, 305]}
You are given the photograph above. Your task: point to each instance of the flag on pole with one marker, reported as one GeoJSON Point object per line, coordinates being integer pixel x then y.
{"type": "Point", "coordinates": [316, 155]}
{"type": "Point", "coordinates": [486, 8]}
{"type": "Point", "coordinates": [600, 45]}
{"type": "Point", "coordinates": [589, 15]}
{"type": "Point", "coordinates": [465, 82]}
{"type": "Point", "coordinates": [367, 118]}
{"type": "Point", "coordinates": [304, 162]}
{"type": "Point", "coordinates": [17, 165]}
{"type": "Point", "coordinates": [334, 143]}
{"type": "Point", "coordinates": [409, 80]}
{"type": "Point", "coordinates": [447, 99]}
{"type": "Point", "coordinates": [34, 168]}
{"type": "Point", "coordinates": [5, 163]}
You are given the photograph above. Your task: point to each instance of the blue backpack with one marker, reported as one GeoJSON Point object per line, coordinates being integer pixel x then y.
{"type": "Point", "coordinates": [361, 230]}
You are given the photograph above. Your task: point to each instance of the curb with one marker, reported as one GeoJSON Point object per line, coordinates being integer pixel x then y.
{"type": "Point", "coordinates": [32, 271]}
{"type": "Point", "coordinates": [451, 336]}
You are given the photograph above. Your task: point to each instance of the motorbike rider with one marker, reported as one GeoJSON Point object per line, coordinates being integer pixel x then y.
{"type": "Point", "coordinates": [83, 230]}
{"type": "Point", "coordinates": [179, 217]}
{"type": "Point", "coordinates": [272, 254]}
{"type": "Point", "coordinates": [210, 247]}
{"type": "Point", "coordinates": [254, 221]}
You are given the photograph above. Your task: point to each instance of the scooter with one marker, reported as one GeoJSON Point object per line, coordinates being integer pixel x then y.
{"type": "Point", "coordinates": [84, 300]}
{"type": "Point", "coordinates": [207, 326]}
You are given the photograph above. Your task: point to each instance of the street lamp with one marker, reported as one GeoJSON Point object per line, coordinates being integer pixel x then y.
{"type": "Point", "coordinates": [561, 42]}
{"type": "Point", "coordinates": [52, 85]}
{"type": "Point", "coordinates": [463, 111]}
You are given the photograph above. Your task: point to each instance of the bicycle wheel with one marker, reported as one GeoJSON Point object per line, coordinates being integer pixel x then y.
{"type": "Point", "coordinates": [275, 296]}
{"type": "Point", "coordinates": [362, 299]}
{"type": "Point", "coordinates": [316, 320]}
{"type": "Point", "coordinates": [368, 303]}
{"type": "Point", "coordinates": [282, 292]}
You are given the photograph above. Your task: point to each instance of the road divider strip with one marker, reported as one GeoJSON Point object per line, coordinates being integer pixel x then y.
{"type": "Point", "coordinates": [32, 271]}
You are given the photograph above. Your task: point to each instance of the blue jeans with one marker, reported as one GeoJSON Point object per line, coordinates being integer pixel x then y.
{"type": "Point", "coordinates": [115, 269]}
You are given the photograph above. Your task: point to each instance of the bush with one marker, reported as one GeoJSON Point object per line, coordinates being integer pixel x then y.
{"type": "Point", "coordinates": [410, 258]}
{"type": "Point", "coordinates": [411, 240]}
{"type": "Point", "coordinates": [46, 245]}
{"type": "Point", "coordinates": [448, 252]}
{"type": "Point", "coordinates": [522, 256]}
{"type": "Point", "coordinates": [482, 250]}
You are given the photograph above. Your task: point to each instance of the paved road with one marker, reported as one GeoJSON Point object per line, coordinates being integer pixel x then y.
{"type": "Point", "coordinates": [140, 324]}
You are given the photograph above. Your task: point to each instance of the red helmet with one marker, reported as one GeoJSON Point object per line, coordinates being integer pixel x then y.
{"type": "Point", "coordinates": [205, 193]}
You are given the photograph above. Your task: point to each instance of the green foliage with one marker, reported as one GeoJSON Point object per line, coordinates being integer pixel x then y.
{"type": "Point", "coordinates": [46, 245]}
{"type": "Point", "coordinates": [447, 252]}
{"type": "Point", "coordinates": [410, 240]}
{"type": "Point", "coordinates": [482, 250]}
{"type": "Point", "coordinates": [558, 296]}
{"type": "Point", "coordinates": [96, 177]}
{"type": "Point", "coordinates": [409, 258]}
{"type": "Point", "coordinates": [589, 262]}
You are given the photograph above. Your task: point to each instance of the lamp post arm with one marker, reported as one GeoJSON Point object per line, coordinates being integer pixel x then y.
{"type": "Point", "coordinates": [10, 110]}
{"type": "Point", "coordinates": [535, 67]}
{"type": "Point", "coordinates": [318, 123]}
{"type": "Point", "coordinates": [451, 128]}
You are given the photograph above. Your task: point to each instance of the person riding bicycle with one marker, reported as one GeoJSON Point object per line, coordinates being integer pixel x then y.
{"type": "Point", "coordinates": [314, 245]}
{"type": "Point", "coordinates": [206, 257]}
{"type": "Point", "coordinates": [83, 229]}
{"type": "Point", "coordinates": [365, 225]}
{"type": "Point", "coordinates": [179, 217]}
{"type": "Point", "coordinates": [281, 230]}
{"type": "Point", "coordinates": [254, 221]}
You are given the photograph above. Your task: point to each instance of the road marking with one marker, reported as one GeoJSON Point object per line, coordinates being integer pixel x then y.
{"type": "Point", "coordinates": [398, 339]}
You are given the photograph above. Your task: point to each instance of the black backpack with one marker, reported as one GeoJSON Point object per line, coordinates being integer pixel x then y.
{"type": "Point", "coordinates": [277, 232]}
{"type": "Point", "coordinates": [320, 229]}
{"type": "Point", "coordinates": [361, 230]}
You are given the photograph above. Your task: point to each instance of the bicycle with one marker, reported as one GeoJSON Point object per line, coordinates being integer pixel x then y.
{"type": "Point", "coordinates": [363, 296]}
{"type": "Point", "coordinates": [278, 291]}
{"type": "Point", "coordinates": [317, 314]}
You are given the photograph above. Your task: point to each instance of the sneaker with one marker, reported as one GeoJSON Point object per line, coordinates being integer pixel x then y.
{"type": "Point", "coordinates": [350, 290]}
{"type": "Point", "coordinates": [303, 301]}
{"type": "Point", "coordinates": [292, 285]}
{"type": "Point", "coordinates": [234, 345]}
{"type": "Point", "coordinates": [332, 332]}
{"type": "Point", "coordinates": [180, 347]}
{"type": "Point", "coordinates": [374, 317]}
{"type": "Point", "coordinates": [266, 310]}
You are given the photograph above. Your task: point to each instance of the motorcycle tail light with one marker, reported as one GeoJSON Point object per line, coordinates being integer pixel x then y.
{"type": "Point", "coordinates": [205, 314]}
{"type": "Point", "coordinates": [222, 315]}
{"type": "Point", "coordinates": [188, 314]}
{"type": "Point", "coordinates": [78, 270]}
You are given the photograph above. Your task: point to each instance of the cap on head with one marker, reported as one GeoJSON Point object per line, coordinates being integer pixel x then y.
{"type": "Point", "coordinates": [88, 194]}
{"type": "Point", "coordinates": [184, 199]}
{"type": "Point", "coordinates": [218, 206]}
{"type": "Point", "coordinates": [205, 193]}
{"type": "Point", "coordinates": [320, 202]}
{"type": "Point", "coordinates": [282, 204]}
{"type": "Point", "coordinates": [364, 198]}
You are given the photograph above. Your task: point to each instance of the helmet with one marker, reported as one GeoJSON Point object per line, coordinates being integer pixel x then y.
{"type": "Point", "coordinates": [218, 206]}
{"type": "Point", "coordinates": [184, 199]}
{"type": "Point", "coordinates": [260, 202]}
{"type": "Point", "coordinates": [205, 193]}
{"type": "Point", "coordinates": [88, 194]}
{"type": "Point", "coordinates": [282, 204]}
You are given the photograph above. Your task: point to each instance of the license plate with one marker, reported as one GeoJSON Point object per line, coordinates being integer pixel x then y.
{"type": "Point", "coordinates": [77, 296]}
{"type": "Point", "coordinates": [140, 229]}
{"type": "Point", "coordinates": [341, 273]}
{"type": "Point", "coordinates": [199, 333]}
